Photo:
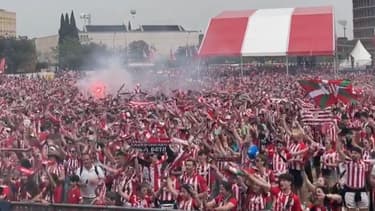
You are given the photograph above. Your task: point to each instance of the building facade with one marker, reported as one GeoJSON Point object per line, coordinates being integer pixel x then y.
{"type": "Point", "coordinates": [46, 49]}
{"type": "Point", "coordinates": [162, 38]}
{"type": "Point", "coordinates": [364, 23]}
{"type": "Point", "coordinates": [344, 47]}
{"type": "Point", "coordinates": [7, 23]}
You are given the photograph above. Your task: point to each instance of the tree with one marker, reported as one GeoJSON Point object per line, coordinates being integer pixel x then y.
{"type": "Point", "coordinates": [20, 54]}
{"type": "Point", "coordinates": [62, 30]}
{"type": "Point", "coordinates": [69, 48]}
{"type": "Point", "coordinates": [138, 51]}
{"type": "Point", "coordinates": [70, 53]}
{"type": "Point", "coordinates": [73, 27]}
{"type": "Point", "coordinates": [67, 22]}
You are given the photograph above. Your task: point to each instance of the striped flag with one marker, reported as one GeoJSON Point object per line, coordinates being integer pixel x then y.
{"type": "Point", "coordinates": [141, 104]}
{"type": "Point", "coordinates": [312, 115]}
{"type": "Point", "coordinates": [328, 92]}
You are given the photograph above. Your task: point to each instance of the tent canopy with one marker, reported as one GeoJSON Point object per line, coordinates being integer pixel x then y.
{"type": "Point", "coordinates": [360, 55]}
{"type": "Point", "coordinates": [271, 32]}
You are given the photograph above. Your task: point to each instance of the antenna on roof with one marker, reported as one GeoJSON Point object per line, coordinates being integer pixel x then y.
{"type": "Point", "coordinates": [133, 13]}
{"type": "Point", "coordinates": [86, 17]}
{"type": "Point", "coordinates": [343, 23]}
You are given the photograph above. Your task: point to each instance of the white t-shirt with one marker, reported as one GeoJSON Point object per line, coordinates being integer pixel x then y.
{"type": "Point", "coordinates": [88, 191]}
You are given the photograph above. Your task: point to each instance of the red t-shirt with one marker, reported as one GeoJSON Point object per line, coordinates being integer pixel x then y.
{"type": "Point", "coordinates": [318, 207]}
{"type": "Point", "coordinates": [6, 192]}
{"type": "Point", "coordinates": [58, 194]}
{"type": "Point", "coordinates": [74, 195]}
{"type": "Point", "coordinates": [220, 201]}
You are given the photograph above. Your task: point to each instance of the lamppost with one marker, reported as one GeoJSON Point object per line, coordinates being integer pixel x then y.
{"type": "Point", "coordinates": [343, 23]}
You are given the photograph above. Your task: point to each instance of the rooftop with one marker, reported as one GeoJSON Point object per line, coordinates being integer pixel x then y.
{"type": "Point", "coordinates": [142, 28]}
{"type": "Point", "coordinates": [161, 28]}
{"type": "Point", "coordinates": [106, 28]}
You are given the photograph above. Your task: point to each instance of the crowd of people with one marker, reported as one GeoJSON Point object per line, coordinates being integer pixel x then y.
{"type": "Point", "coordinates": [231, 143]}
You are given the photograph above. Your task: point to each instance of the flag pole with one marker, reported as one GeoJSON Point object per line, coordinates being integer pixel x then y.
{"type": "Point", "coordinates": [241, 65]}
{"type": "Point", "coordinates": [335, 66]}
{"type": "Point", "coordinates": [287, 65]}
{"type": "Point", "coordinates": [199, 68]}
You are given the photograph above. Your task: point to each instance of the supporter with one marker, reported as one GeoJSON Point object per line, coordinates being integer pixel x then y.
{"type": "Point", "coordinates": [224, 201]}
{"type": "Point", "coordinates": [191, 177]}
{"type": "Point", "coordinates": [90, 175]}
{"type": "Point", "coordinates": [74, 192]}
{"type": "Point", "coordinates": [285, 199]}
{"type": "Point", "coordinates": [141, 197]}
{"type": "Point", "coordinates": [107, 150]}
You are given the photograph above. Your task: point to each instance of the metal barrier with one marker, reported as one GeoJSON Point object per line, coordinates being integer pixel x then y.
{"type": "Point", "coordinates": [24, 206]}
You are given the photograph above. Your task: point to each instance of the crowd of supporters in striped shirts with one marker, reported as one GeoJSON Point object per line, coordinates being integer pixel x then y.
{"type": "Point", "coordinates": [187, 149]}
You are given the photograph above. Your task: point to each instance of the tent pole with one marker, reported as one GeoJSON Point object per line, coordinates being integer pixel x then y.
{"type": "Point", "coordinates": [199, 68]}
{"type": "Point", "coordinates": [241, 66]}
{"type": "Point", "coordinates": [287, 65]}
{"type": "Point", "coordinates": [334, 66]}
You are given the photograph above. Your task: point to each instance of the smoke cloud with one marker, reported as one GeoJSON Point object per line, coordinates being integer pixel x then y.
{"type": "Point", "coordinates": [114, 74]}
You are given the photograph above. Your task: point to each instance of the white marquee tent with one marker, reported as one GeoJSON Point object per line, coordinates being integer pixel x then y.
{"type": "Point", "coordinates": [361, 56]}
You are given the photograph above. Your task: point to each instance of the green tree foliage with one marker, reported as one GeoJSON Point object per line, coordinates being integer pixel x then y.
{"type": "Point", "coordinates": [138, 51]}
{"type": "Point", "coordinates": [73, 27]}
{"type": "Point", "coordinates": [69, 48]}
{"type": "Point", "coordinates": [70, 53]}
{"type": "Point", "coordinates": [20, 54]}
{"type": "Point", "coordinates": [62, 30]}
{"type": "Point", "coordinates": [73, 55]}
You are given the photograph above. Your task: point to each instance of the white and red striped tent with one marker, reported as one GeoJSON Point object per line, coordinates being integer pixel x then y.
{"type": "Point", "coordinates": [271, 32]}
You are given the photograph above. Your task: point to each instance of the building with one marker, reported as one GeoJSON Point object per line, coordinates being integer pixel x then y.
{"type": "Point", "coordinates": [344, 47]}
{"type": "Point", "coordinates": [163, 38]}
{"type": "Point", "coordinates": [7, 23]}
{"type": "Point", "coordinates": [364, 23]}
{"type": "Point", "coordinates": [46, 49]}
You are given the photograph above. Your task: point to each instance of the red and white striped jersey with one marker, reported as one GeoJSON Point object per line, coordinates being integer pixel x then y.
{"type": "Point", "coordinates": [236, 192]}
{"type": "Point", "coordinates": [267, 175]}
{"type": "Point", "coordinates": [167, 195]}
{"type": "Point", "coordinates": [329, 157]}
{"type": "Point", "coordinates": [57, 169]}
{"type": "Point", "coordinates": [129, 184]}
{"type": "Point", "coordinates": [71, 165]}
{"type": "Point", "coordinates": [117, 181]}
{"type": "Point", "coordinates": [187, 204]}
{"type": "Point", "coordinates": [285, 202]}
{"type": "Point", "coordinates": [205, 171]}
{"type": "Point", "coordinates": [221, 165]}
{"type": "Point", "coordinates": [138, 202]}
{"type": "Point", "coordinates": [196, 181]}
{"type": "Point", "coordinates": [355, 174]}
{"type": "Point", "coordinates": [255, 202]}
{"type": "Point", "coordinates": [279, 166]}
{"type": "Point", "coordinates": [297, 162]}
{"type": "Point", "coordinates": [366, 155]}
{"type": "Point", "coordinates": [156, 173]}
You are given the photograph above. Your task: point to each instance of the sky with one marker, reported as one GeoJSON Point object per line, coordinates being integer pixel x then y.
{"type": "Point", "coordinates": [37, 18]}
